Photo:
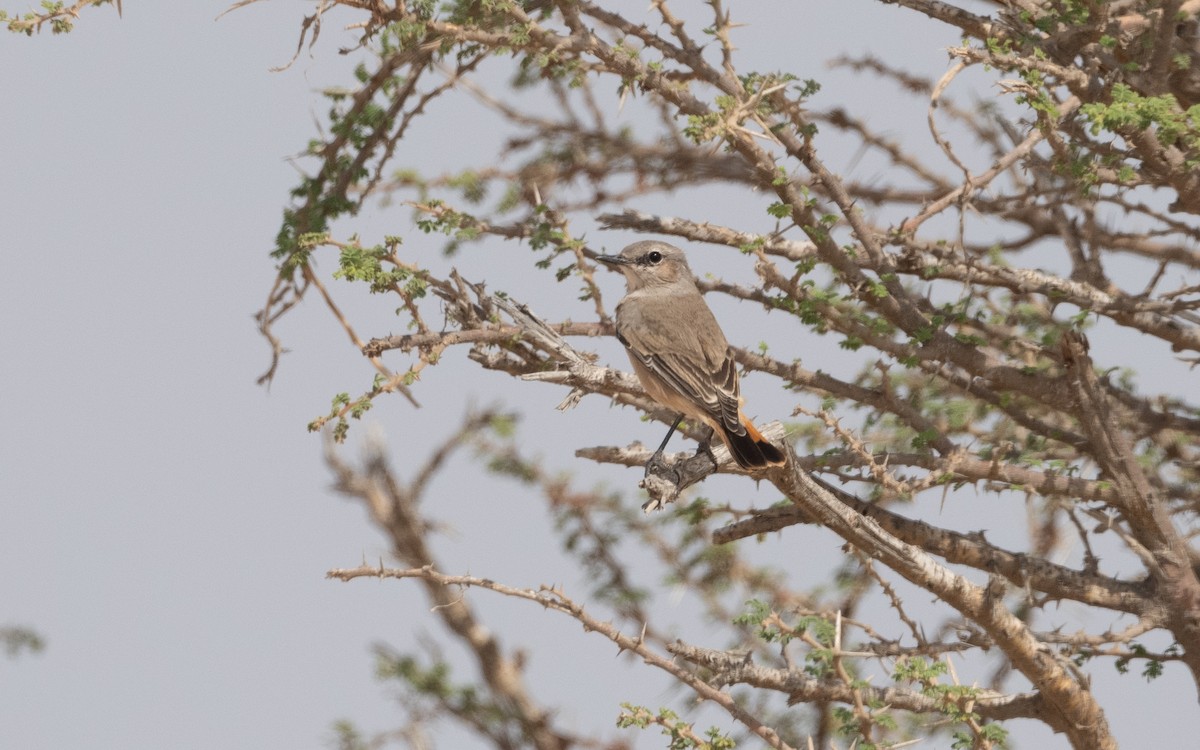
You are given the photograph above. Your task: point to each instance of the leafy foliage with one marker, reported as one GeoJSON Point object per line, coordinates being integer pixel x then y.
{"type": "Point", "coordinates": [961, 285]}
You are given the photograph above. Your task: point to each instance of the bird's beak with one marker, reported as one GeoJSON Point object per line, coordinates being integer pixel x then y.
{"type": "Point", "coordinates": [613, 260]}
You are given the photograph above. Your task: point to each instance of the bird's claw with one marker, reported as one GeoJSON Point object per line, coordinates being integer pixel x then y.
{"type": "Point", "coordinates": [660, 468]}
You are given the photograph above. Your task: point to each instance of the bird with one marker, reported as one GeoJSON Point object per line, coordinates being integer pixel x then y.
{"type": "Point", "coordinates": [680, 354]}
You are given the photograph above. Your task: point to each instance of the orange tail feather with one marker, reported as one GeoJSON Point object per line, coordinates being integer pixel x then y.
{"type": "Point", "coordinates": [752, 450]}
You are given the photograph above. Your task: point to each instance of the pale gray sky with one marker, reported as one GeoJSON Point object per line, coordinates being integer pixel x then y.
{"type": "Point", "coordinates": [165, 523]}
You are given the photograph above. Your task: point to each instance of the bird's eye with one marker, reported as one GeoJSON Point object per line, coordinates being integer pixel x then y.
{"type": "Point", "coordinates": [655, 257]}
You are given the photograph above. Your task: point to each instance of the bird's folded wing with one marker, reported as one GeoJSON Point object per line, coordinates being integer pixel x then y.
{"type": "Point", "coordinates": [714, 391]}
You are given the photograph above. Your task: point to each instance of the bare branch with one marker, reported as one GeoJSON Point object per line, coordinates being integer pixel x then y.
{"type": "Point", "coordinates": [553, 598]}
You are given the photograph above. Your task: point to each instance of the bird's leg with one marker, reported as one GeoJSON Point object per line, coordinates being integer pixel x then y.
{"type": "Point", "coordinates": [656, 465]}
{"type": "Point", "coordinates": [706, 445]}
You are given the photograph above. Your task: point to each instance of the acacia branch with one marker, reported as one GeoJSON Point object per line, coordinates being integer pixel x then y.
{"type": "Point", "coordinates": [1079, 716]}
{"type": "Point", "coordinates": [973, 550]}
{"type": "Point", "coordinates": [1141, 504]}
{"type": "Point", "coordinates": [554, 598]}
{"type": "Point", "coordinates": [394, 508]}
{"type": "Point", "coordinates": [739, 669]}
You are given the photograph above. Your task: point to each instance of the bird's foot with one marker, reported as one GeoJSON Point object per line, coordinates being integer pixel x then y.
{"type": "Point", "coordinates": [660, 468]}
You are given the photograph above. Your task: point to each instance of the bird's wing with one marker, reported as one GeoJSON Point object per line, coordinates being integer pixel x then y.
{"type": "Point", "coordinates": [693, 359]}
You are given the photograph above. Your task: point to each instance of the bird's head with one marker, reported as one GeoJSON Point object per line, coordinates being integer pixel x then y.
{"type": "Point", "coordinates": [650, 264]}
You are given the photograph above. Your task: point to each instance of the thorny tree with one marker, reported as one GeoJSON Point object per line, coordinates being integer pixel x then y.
{"type": "Point", "coordinates": [977, 379]}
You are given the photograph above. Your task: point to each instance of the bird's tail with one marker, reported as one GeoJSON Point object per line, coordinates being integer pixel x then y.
{"type": "Point", "coordinates": [751, 450]}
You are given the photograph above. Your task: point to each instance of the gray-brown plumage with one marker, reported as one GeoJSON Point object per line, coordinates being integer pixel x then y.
{"type": "Point", "coordinates": [679, 352]}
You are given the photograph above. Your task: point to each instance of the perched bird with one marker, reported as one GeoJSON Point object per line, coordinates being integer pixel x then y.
{"type": "Point", "coordinates": [680, 354]}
